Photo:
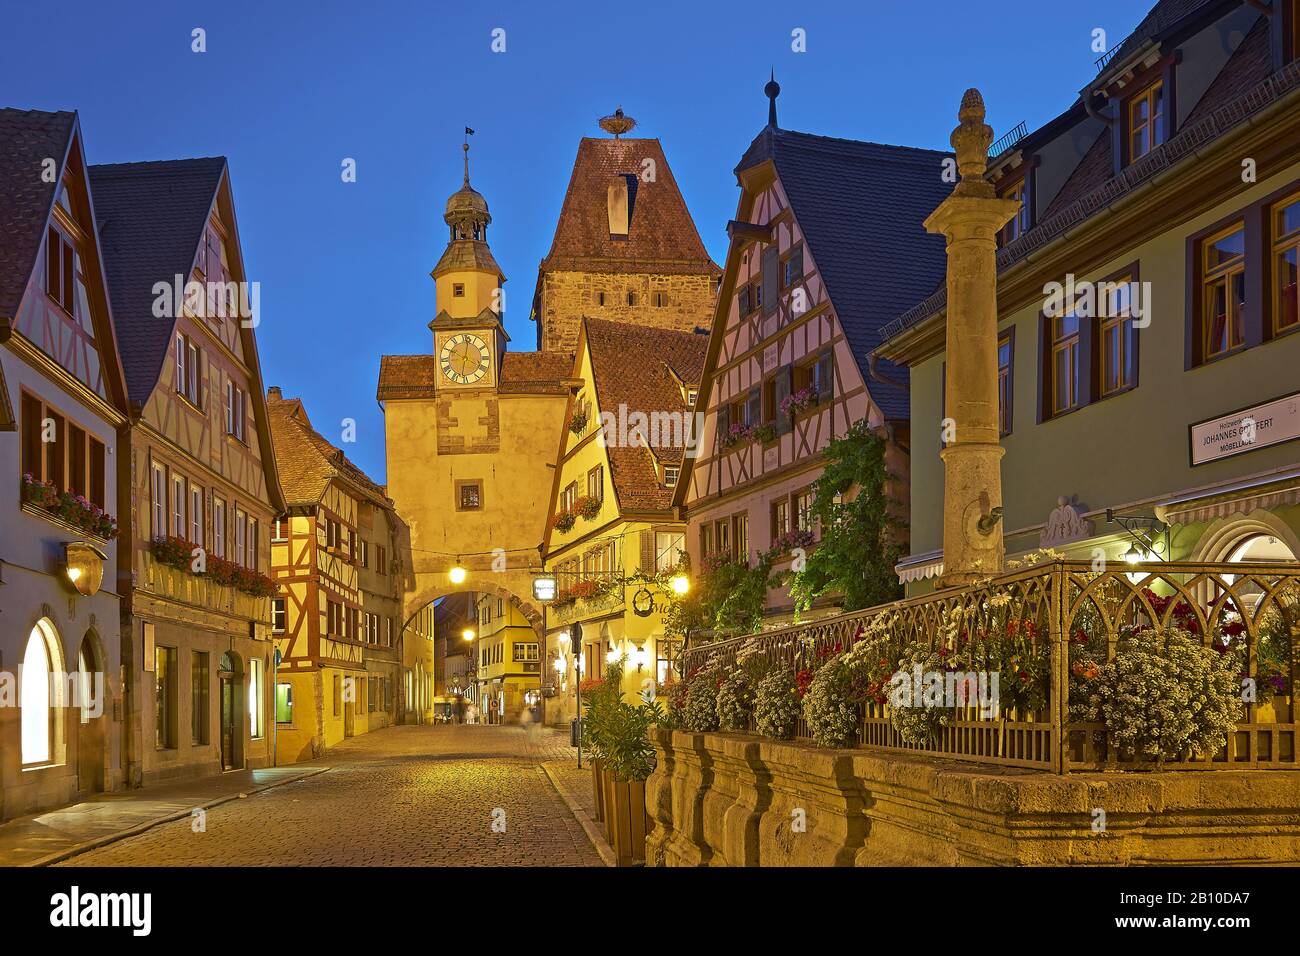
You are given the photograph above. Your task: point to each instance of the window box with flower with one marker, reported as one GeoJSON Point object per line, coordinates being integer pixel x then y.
{"type": "Point", "coordinates": [798, 402]}
{"type": "Point", "coordinates": [68, 508]}
{"type": "Point", "coordinates": [736, 433]}
{"type": "Point", "coordinates": [579, 421]}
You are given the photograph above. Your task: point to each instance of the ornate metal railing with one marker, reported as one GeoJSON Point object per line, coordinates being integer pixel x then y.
{"type": "Point", "coordinates": [1064, 615]}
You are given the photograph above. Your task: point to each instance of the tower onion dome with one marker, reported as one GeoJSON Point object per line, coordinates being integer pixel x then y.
{"type": "Point", "coordinates": [467, 210]}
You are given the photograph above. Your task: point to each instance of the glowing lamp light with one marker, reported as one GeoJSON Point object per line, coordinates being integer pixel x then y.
{"type": "Point", "coordinates": [564, 638]}
{"type": "Point", "coordinates": [1134, 555]}
{"type": "Point", "coordinates": [468, 633]}
{"type": "Point", "coordinates": [457, 574]}
{"type": "Point", "coordinates": [680, 583]}
{"type": "Point", "coordinates": [544, 587]}
{"type": "Point", "coordinates": [559, 665]}
{"type": "Point", "coordinates": [84, 567]}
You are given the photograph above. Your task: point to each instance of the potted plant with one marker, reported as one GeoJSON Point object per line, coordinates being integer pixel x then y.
{"type": "Point", "coordinates": [578, 423]}
{"type": "Point", "coordinates": [763, 433]}
{"type": "Point", "coordinates": [629, 760]}
{"type": "Point", "coordinates": [588, 506]}
{"type": "Point", "coordinates": [564, 521]}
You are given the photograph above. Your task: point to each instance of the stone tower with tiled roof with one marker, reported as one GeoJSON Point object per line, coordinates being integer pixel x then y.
{"type": "Point", "coordinates": [625, 248]}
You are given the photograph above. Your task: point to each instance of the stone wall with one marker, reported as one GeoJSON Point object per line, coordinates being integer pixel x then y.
{"type": "Point", "coordinates": [569, 296]}
{"type": "Point", "coordinates": [735, 800]}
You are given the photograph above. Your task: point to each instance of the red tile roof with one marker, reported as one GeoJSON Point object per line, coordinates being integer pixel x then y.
{"type": "Point", "coordinates": [307, 462]}
{"type": "Point", "coordinates": [416, 376]}
{"type": "Point", "coordinates": [640, 368]}
{"type": "Point", "coordinates": [661, 238]}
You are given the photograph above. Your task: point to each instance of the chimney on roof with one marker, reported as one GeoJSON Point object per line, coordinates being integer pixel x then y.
{"type": "Point", "coordinates": [617, 202]}
{"type": "Point", "coordinates": [274, 394]}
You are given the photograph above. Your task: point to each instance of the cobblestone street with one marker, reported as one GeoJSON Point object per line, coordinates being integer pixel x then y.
{"type": "Point", "coordinates": [405, 796]}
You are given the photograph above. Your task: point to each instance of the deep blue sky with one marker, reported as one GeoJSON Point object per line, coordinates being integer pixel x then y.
{"type": "Point", "coordinates": [287, 90]}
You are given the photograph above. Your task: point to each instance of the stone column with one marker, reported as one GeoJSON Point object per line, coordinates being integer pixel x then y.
{"type": "Point", "coordinates": [972, 461]}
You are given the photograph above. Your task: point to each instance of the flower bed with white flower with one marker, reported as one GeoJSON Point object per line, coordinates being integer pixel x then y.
{"type": "Point", "coordinates": [700, 711]}
{"type": "Point", "coordinates": [735, 700]}
{"type": "Point", "coordinates": [1167, 696]}
{"type": "Point", "coordinates": [776, 704]}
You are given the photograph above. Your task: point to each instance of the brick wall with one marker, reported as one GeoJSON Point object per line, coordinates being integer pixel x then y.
{"type": "Point", "coordinates": [568, 296]}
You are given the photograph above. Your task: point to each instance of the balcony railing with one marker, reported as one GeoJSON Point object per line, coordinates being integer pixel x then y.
{"type": "Point", "coordinates": [1066, 611]}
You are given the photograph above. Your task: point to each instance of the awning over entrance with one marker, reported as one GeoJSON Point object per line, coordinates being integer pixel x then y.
{"type": "Point", "coordinates": [1236, 498]}
{"type": "Point", "coordinates": [918, 567]}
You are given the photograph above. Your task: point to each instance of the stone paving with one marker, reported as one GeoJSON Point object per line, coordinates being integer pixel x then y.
{"type": "Point", "coordinates": [403, 796]}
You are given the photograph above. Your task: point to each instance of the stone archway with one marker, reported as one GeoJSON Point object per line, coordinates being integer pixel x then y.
{"type": "Point", "coordinates": [514, 588]}
{"type": "Point", "coordinates": [515, 585]}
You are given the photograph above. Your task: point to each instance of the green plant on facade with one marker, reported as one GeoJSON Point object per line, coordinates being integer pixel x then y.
{"type": "Point", "coordinates": [861, 534]}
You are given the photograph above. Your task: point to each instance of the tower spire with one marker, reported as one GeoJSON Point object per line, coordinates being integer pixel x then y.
{"type": "Point", "coordinates": [468, 133]}
{"type": "Point", "coordinates": [772, 90]}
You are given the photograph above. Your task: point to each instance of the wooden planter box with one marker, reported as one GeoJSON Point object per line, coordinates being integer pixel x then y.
{"type": "Point", "coordinates": [598, 787]}
{"type": "Point", "coordinates": [626, 821]}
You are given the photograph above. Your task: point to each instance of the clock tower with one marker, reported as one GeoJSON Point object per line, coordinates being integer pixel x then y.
{"type": "Point", "coordinates": [468, 338]}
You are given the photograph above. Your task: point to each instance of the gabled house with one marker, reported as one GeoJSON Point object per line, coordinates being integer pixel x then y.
{"type": "Point", "coordinates": [1147, 307]}
{"type": "Point", "coordinates": [827, 244]}
{"type": "Point", "coordinates": [613, 528]}
{"type": "Point", "coordinates": [338, 554]}
{"type": "Point", "coordinates": [196, 475]}
{"type": "Point", "coordinates": [63, 411]}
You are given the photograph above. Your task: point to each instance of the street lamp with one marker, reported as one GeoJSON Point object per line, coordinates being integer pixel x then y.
{"type": "Point", "coordinates": [680, 584]}
{"type": "Point", "coordinates": [457, 574]}
{"type": "Point", "coordinates": [468, 633]}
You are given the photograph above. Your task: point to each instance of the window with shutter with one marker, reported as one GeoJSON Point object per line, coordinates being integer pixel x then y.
{"type": "Point", "coordinates": [724, 420]}
{"type": "Point", "coordinates": [783, 423]}
{"type": "Point", "coordinates": [771, 276]}
{"type": "Point", "coordinates": [825, 374]}
{"type": "Point", "coordinates": [648, 552]}
{"type": "Point", "coordinates": [754, 411]}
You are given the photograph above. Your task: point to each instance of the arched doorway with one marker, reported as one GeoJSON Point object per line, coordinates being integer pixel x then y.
{"type": "Point", "coordinates": [229, 675]}
{"type": "Point", "coordinates": [92, 688]}
{"type": "Point", "coordinates": [42, 697]}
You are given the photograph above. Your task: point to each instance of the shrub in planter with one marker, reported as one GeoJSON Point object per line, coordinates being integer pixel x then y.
{"type": "Point", "coordinates": [564, 521]}
{"type": "Point", "coordinates": [1166, 696]}
{"type": "Point", "coordinates": [776, 704]}
{"type": "Point", "coordinates": [588, 506]}
{"type": "Point", "coordinates": [578, 423]}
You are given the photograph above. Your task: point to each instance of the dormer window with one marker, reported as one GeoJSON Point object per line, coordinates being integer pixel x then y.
{"type": "Point", "coordinates": [671, 474]}
{"type": "Point", "coordinates": [1145, 113]}
{"type": "Point", "coordinates": [691, 395]}
{"type": "Point", "coordinates": [631, 298]}
{"type": "Point", "coordinates": [458, 290]}
{"type": "Point", "coordinates": [1020, 222]}
{"type": "Point", "coordinates": [60, 269]}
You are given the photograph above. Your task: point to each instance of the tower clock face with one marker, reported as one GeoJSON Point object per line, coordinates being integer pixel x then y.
{"type": "Point", "coordinates": [464, 358]}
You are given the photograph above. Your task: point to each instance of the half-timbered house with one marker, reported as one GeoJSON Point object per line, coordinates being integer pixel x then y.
{"type": "Point", "coordinates": [197, 477]}
{"type": "Point", "coordinates": [827, 242]}
{"type": "Point", "coordinates": [336, 553]}
{"type": "Point", "coordinates": [62, 409]}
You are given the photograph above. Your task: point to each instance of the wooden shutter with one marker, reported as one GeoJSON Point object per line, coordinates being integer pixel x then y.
{"type": "Point", "coordinates": [648, 551]}
{"type": "Point", "coordinates": [825, 373]}
{"type": "Point", "coordinates": [724, 420]}
{"type": "Point", "coordinates": [771, 276]}
{"type": "Point", "coordinates": [754, 406]}
{"type": "Point", "coordinates": [783, 422]}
